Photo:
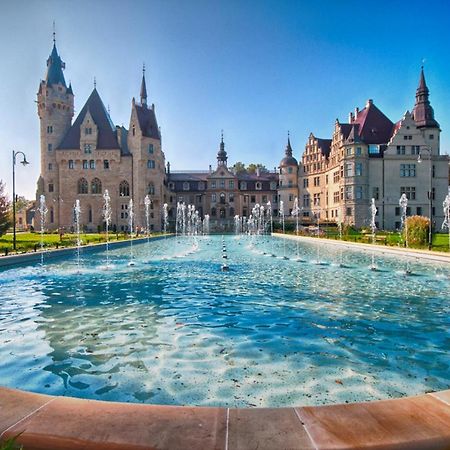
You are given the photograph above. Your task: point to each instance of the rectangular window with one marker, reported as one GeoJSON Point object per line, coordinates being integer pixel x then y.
{"type": "Point", "coordinates": [316, 181]}
{"type": "Point", "coordinates": [316, 199]}
{"type": "Point", "coordinates": [409, 191]}
{"type": "Point", "coordinates": [87, 149]}
{"type": "Point", "coordinates": [348, 169]}
{"type": "Point", "coordinates": [376, 193]}
{"type": "Point", "coordinates": [419, 210]}
{"type": "Point", "coordinates": [358, 169]}
{"type": "Point", "coordinates": [336, 176]}
{"type": "Point", "coordinates": [50, 147]}
{"type": "Point", "coordinates": [348, 193]}
{"type": "Point", "coordinates": [151, 164]}
{"type": "Point", "coordinates": [50, 187]}
{"type": "Point", "coordinates": [231, 198]}
{"type": "Point", "coordinates": [50, 129]}
{"type": "Point", "coordinates": [306, 201]}
{"type": "Point", "coordinates": [264, 198]}
{"type": "Point", "coordinates": [348, 151]}
{"type": "Point", "coordinates": [213, 184]}
{"type": "Point", "coordinates": [291, 197]}
{"type": "Point", "coordinates": [397, 210]}
{"type": "Point", "coordinates": [275, 199]}
{"type": "Point", "coordinates": [198, 198]}
{"type": "Point", "coordinates": [415, 149]}
{"type": "Point", "coordinates": [348, 211]}
{"type": "Point", "coordinates": [407, 170]}
{"type": "Point", "coordinates": [305, 182]}
{"type": "Point", "coordinates": [431, 136]}
{"type": "Point", "coordinates": [359, 192]}
{"type": "Point", "coordinates": [106, 164]}
{"type": "Point", "coordinates": [85, 164]}
{"type": "Point", "coordinates": [150, 149]}
{"type": "Point", "coordinates": [50, 166]}
{"type": "Point", "coordinates": [71, 164]}
{"type": "Point", "coordinates": [401, 149]}
{"type": "Point", "coordinates": [91, 164]}
{"type": "Point", "coordinates": [231, 184]}
{"type": "Point", "coordinates": [336, 197]}
{"type": "Point", "coordinates": [253, 198]}
{"type": "Point", "coordinates": [358, 151]}
{"type": "Point", "coordinates": [222, 184]}
{"type": "Point", "coordinates": [374, 149]}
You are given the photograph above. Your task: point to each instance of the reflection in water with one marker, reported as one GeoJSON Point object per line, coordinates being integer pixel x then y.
{"type": "Point", "coordinates": [175, 329]}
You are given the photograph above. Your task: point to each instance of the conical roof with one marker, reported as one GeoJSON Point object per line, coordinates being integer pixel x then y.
{"type": "Point", "coordinates": [55, 68]}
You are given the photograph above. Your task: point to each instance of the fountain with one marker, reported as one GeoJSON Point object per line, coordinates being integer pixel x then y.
{"type": "Point", "coordinates": [373, 227]}
{"type": "Point", "coordinates": [296, 213]}
{"type": "Point", "coordinates": [281, 215]}
{"type": "Point", "coordinates": [77, 212]}
{"type": "Point", "coordinates": [270, 217]}
{"type": "Point", "coordinates": [446, 223]}
{"type": "Point", "coordinates": [403, 202]}
{"type": "Point", "coordinates": [339, 224]}
{"type": "Point", "coordinates": [43, 214]}
{"type": "Point", "coordinates": [206, 224]}
{"type": "Point", "coordinates": [147, 203]}
{"type": "Point", "coordinates": [165, 218]}
{"type": "Point", "coordinates": [130, 223]}
{"type": "Point", "coordinates": [107, 219]}
{"type": "Point", "coordinates": [317, 215]}
{"type": "Point", "coordinates": [237, 225]}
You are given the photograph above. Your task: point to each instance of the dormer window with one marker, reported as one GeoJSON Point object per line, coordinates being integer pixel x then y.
{"type": "Point", "coordinates": [201, 186]}
{"type": "Point", "coordinates": [258, 186]}
{"type": "Point", "coordinates": [273, 185]}
{"type": "Point", "coordinates": [185, 186]}
{"type": "Point", "coordinates": [88, 131]}
{"type": "Point", "coordinates": [171, 186]}
{"type": "Point", "coordinates": [87, 148]}
{"type": "Point", "coordinates": [243, 185]}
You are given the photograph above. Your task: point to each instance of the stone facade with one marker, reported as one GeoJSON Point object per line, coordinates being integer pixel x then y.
{"type": "Point", "coordinates": [371, 157]}
{"type": "Point", "coordinates": [368, 157]}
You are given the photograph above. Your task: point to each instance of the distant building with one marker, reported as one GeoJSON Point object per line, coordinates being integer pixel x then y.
{"type": "Point", "coordinates": [368, 157]}
{"type": "Point", "coordinates": [371, 157]}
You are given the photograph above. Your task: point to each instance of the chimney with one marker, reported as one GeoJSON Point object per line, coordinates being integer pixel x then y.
{"type": "Point", "coordinates": [257, 171]}
{"type": "Point", "coordinates": [356, 112]}
{"type": "Point", "coordinates": [210, 169]}
{"type": "Point", "coordinates": [369, 102]}
{"type": "Point", "coordinates": [153, 106]}
{"type": "Point", "coordinates": [168, 168]}
{"type": "Point", "coordinates": [350, 117]}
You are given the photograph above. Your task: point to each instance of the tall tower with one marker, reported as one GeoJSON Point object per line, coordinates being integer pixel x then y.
{"type": "Point", "coordinates": [288, 187]}
{"type": "Point", "coordinates": [55, 111]}
{"type": "Point", "coordinates": [222, 156]}
{"type": "Point", "coordinates": [423, 115]}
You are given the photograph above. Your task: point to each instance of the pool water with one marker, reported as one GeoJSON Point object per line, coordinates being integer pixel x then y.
{"type": "Point", "coordinates": [176, 329]}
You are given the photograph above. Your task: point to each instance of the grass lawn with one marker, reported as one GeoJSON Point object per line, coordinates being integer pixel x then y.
{"type": "Point", "coordinates": [26, 242]}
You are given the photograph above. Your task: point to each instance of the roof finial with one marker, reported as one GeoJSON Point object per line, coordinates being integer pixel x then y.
{"type": "Point", "coordinates": [95, 83]}
{"type": "Point", "coordinates": [221, 135]}
{"type": "Point", "coordinates": [109, 110]}
{"type": "Point", "coordinates": [143, 69]}
{"type": "Point", "coordinates": [54, 33]}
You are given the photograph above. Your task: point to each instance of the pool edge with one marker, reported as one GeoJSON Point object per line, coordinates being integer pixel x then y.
{"type": "Point", "coordinates": [53, 422]}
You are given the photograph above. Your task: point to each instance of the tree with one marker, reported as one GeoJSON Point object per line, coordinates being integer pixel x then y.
{"type": "Point", "coordinates": [239, 167]}
{"type": "Point", "coordinates": [5, 210]}
{"type": "Point", "coordinates": [253, 167]}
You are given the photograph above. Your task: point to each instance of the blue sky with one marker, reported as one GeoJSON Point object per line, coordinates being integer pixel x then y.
{"type": "Point", "coordinates": [253, 68]}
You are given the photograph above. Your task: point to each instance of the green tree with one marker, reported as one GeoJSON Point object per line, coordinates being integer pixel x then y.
{"type": "Point", "coordinates": [5, 210]}
{"type": "Point", "coordinates": [253, 167]}
{"type": "Point", "coordinates": [239, 167]}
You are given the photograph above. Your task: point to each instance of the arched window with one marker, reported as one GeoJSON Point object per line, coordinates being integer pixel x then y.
{"type": "Point", "coordinates": [222, 213]}
{"type": "Point", "coordinates": [231, 212]}
{"type": "Point", "coordinates": [151, 189]}
{"type": "Point", "coordinates": [82, 186]}
{"type": "Point", "coordinates": [222, 198]}
{"type": "Point", "coordinates": [124, 189]}
{"type": "Point", "coordinates": [186, 186]}
{"type": "Point", "coordinates": [96, 186]}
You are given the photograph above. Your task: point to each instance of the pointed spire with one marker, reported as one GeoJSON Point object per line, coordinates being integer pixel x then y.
{"type": "Point", "coordinates": [222, 154]}
{"type": "Point", "coordinates": [69, 89]}
{"type": "Point", "coordinates": [95, 83]}
{"type": "Point", "coordinates": [143, 88]}
{"type": "Point", "coordinates": [55, 66]}
{"type": "Point", "coordinates": [423, 113]}
{"type": "Point", "coordinates": [288, 150]}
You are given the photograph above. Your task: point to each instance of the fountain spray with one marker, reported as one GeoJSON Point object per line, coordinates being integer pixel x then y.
{"type": "Point", "coordinates": [43, 214]}
{"type": "Point", "coordinates": [77, 211]}
{"type": "Point", "coordinates": [107, 219]}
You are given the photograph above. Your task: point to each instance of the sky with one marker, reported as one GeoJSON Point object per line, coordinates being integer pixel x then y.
{"type": "Point", "coordinates": [255, 69]}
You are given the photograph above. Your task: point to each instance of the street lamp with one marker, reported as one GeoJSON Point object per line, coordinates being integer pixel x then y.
{"type": "Point", "coordinates": [24, 162]}
{"type": "Point", "coordinates": [430, 194]}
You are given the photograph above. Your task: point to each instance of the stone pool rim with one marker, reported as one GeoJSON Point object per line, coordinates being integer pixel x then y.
{"type": "Point", "coordinates": [55, 422]}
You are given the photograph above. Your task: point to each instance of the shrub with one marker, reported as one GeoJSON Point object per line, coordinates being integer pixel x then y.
{"type": "Point", "coordinates": [417, 228]}
{"type": "Point", "coordinates": [5, 210]}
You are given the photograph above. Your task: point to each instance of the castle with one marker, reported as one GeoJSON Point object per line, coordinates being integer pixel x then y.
{"type": "Point", "coordinates": [368, 157]}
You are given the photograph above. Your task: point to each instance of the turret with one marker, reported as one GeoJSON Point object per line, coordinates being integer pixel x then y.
{"type": "Point", "coordinates": [55, 111]}
{"type": "Point", "coordinates": [222, 156]}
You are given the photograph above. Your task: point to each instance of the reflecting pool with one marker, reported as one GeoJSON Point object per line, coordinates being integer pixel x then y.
{"type": "Point", "coordinates": [317, 326]}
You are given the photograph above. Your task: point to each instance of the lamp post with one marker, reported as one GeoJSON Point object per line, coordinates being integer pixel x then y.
{"type": "Point", "coordinates": [24, 162]}
{"type": "Point", "coordinates": [430, 193]}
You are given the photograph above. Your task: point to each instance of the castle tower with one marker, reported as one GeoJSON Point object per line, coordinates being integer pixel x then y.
{"type": "Point", "coordinates": [288, 188]}
{"type": "Point", "coordinates": [423, 115]}
{"type": "Point", "coordinates": [55, 111]}
{"type": "Point", "coordinates": [144, 143]}
{"type": "Point", "coordinates": [222, 156]}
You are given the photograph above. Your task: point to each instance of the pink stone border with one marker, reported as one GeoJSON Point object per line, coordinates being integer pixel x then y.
{"type": "Point", "coordinates": [63, 423]}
